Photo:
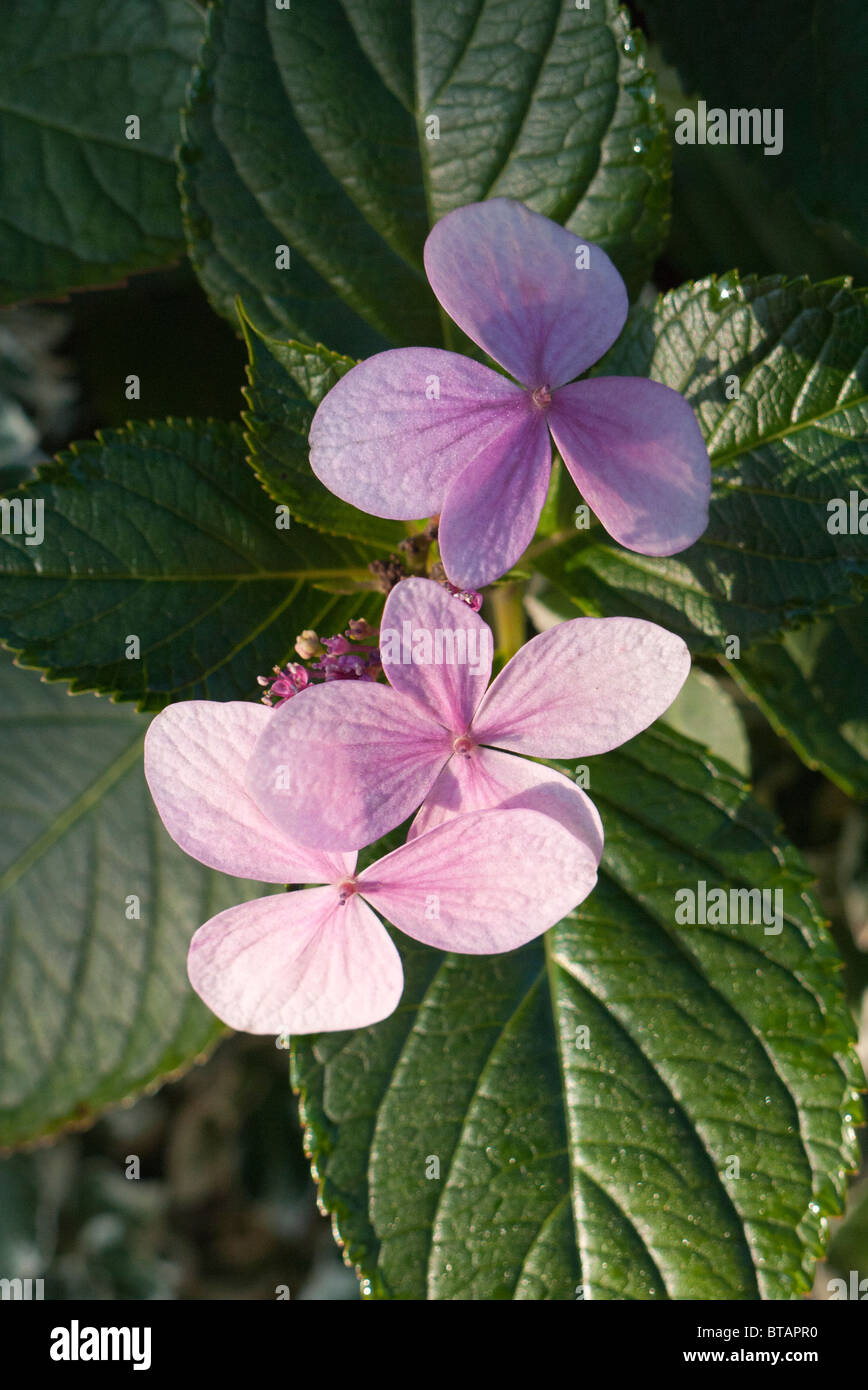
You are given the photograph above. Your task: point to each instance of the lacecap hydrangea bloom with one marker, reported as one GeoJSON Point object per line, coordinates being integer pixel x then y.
{"type": "Point", "coordinates": [414, 432]}
{"type": "Point", "coordinates": [341, 764]}
{"type": "Point", "coordinates": [319, 959]}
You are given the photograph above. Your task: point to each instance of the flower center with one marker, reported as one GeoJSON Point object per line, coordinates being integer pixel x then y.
{"type": "Point", "coordinates": [463, 745]}
{"type": "Point", "coordinates": [541, 397]}
{"type": "Point", "coordinates": [346, 889]}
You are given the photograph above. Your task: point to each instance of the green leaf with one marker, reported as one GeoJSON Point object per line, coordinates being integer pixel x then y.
{"type": "Point", "coordinates": [736, 54]}
{"type": "Point", "coordinates": [707, 713]}
{"type": "Point", "coordinates": [94, 1004]}
{"type": "Point", "coordinates": [160, 531]}
{"type": "Point", "coordinates": [287, 381]}
{"type": "Point", "coordinates": [308, 128]}
{"type": "Point", "coordinates": [80, 203]}
{"type": "Point", "coordinates": [811, 687]}
{"type": "Point", "coordinates": [793, 440]}
{"type": "Point", "coordinates": [608, 1166]}
{"type": "Point", "coordinates": [727, 210]}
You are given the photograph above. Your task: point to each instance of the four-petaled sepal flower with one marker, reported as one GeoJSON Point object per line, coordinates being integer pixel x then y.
{"type": "Point", "coordinates": [416, 431]}
{"type": "Point", "coordinates": [342, 765]}
{"type": "Point", "coordinates": [319, 959]}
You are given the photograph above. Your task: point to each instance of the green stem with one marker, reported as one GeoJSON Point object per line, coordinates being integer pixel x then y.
{"type": "Point", "coordinates": [509, 619]}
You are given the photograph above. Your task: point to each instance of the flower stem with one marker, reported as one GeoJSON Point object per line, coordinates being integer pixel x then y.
{"type": "Point", "coordinates": [509, 619]}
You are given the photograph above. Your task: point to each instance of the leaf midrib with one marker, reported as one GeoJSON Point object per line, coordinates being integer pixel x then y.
{"type": "Point", "coordinates": [77, 808]}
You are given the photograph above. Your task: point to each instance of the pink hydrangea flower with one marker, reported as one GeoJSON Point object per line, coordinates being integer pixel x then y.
{"type": "Point", "coordinates": [415, 431]}
{"type": "Point", "coordinates": [343, 764]}
{"type": "Point", "coordinates": [319, 959]}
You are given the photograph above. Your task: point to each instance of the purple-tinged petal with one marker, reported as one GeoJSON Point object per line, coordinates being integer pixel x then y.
{"type": "Point", "coordinates": [482, 883]}
{"type": "Point", "coordinates": [298, 962]}
{"type": "Point", "coordinates": [485, 779]}
{"type": "Point", "coordinates": [513, 281]}
{"type": "Point", "coordinates": [196, 755]}
{"type": "Point", "coordinates": [637, 455]}
{"type": "Point", "coordinates": [491, 511]}
{"type": "Point", "coordinates": [341, 764]}
{"type": "Point", "coordinates": [583, 687]}
{"type": "Point", "coordinates": [436, 650]}
{"type": "Point", "coordinates": [397, 429]}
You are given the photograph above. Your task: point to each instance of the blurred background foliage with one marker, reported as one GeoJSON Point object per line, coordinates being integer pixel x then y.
{"type": "Point", "coordinates": [224, 1206]}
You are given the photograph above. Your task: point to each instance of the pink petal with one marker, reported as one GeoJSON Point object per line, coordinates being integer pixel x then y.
{"type": "Point", "coordinates": [196, 755]}
{"type": "Point", "coordinates": [296, 963]}
{"type": "Point", "coordinates": [636, 452]}
{"type": "Point", "coordinates": [341, 764]}
{"type": "Point", "coordinates": [416, 611]}
{"type": "Point", "coordinates": [485, 778]}
{"type": "Point", "coordinates": [482, 883]}
{"type": "Point", "coordinates": [490, 512]}
{"type": "Point", "coordinates": [385, 442]}
{"type": "Point", "coordinates": [509, 278]}
{"type": "Point", "coordinates": [583, 687]}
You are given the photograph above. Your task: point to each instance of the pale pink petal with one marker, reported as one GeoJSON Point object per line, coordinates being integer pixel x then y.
{"type": "Point", "coordinates": [637, 455]}
{"type": "Point", "coordinates": [397, 429]}
{"type": "Point", "coordinates": [341, 764]}
{"type": "Point", "coordinates": [512, 280]}
{"type": "Point", "coordinates": [491, 511]}
{"type": "Point", "coordinates": [298, 962]}
{"type": "Point", "coordinates": [482, 883]}
{"type": "Point", "coordinates": [485, 778]}
{"type": "Point", "coordinates": [583, 687]}
{"type": "Point", "coordinates": [436, 650]}
{"type": "Point", "coordinates": [196, 756]}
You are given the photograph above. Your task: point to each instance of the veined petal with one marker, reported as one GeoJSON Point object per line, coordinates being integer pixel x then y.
{"type": "Point", "coordinates": [196, 756]}
{"type": "Point", "coordinates": [491, 510]}
{"type": "Point", "coordinates": [482, 883]}
{"type": "Point", "coordinates": [436, 650]}
{"type": "Point", "coordinates": [486, 779]}
{"type": "Point", "coordinates": [341, 764]}
{"type": "Point", "coordinates": [397, 429]}
{"type": "Point", "coordinates": [583, 687]}
{"type": "Point", "coordinates": [298, 962]}
{"type": "Point", "coordinates": [637, 455]}
{"type": "Point", "coordinates": [514, 281]}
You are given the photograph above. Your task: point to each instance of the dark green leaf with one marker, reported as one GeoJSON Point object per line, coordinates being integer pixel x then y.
{"type": "Point", "coordinates": [161, 532]}
{"type": "Point", "coordinates": [287, 381]}
{"type": "Point", "coordinates": [727, 211]}
{"type": "Point", "coordinates": [80, 203]}
{"type": "Point", "coordinates": [740, 55]}
{"type": "Point", "coordinates": [608, 1169]}
{"type": "Point", "coordinates": [812, 687]}
{"type": "Point", "coordinates": [308, 129]}
{"type": "Point", "coordinates": [94, 1003]}
{"type": "Point", "coordinates": [793, 440]}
